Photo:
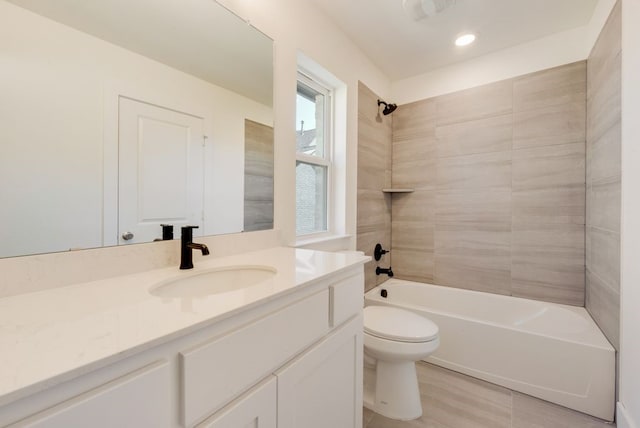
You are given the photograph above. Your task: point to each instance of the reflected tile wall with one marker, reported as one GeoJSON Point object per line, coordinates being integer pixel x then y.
{"type": "Point", "coordinates": [258, 176]}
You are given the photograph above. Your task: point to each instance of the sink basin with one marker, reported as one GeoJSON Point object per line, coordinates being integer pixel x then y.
{"type": "Point", "coordinates": [214, 281]}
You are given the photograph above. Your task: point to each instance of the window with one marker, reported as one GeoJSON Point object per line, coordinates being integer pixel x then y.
{"type": "Point", "coordinates": [313, 156]}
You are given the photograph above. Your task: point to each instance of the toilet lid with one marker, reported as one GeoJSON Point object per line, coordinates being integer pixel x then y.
{"type": "Point", "coordinates": [398, 324]}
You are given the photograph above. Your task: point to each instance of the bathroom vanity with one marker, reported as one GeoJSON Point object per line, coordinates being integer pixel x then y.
{"type": "Point", "coordinates": [282, 348]}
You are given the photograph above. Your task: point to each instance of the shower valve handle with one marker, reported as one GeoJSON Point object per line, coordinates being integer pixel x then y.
{"type": "Point", "coordinates": [378, 252]}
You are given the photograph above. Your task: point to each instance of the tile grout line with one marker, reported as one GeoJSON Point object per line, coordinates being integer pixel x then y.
{"type": "Point", "coordinates": [511, 396]}
{"type": "Point", "coordinates": [513, 114]}
{"type": "Point", "coordinates": [604, 282]}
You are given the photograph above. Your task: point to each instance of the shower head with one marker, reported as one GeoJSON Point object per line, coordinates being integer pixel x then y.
{"type": "Point", "coordinates": [388, 108]}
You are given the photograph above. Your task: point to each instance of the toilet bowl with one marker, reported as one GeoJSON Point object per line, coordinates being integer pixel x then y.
{"type": "Point", "coordinates": [394, 339]}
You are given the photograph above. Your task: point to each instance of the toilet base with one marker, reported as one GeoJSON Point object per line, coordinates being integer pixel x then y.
{"type": "Point", "coordinates": [393, 392]}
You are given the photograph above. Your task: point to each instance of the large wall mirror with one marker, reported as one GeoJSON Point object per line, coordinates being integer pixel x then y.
{"type": "Point", "coordinates": [119, 116]}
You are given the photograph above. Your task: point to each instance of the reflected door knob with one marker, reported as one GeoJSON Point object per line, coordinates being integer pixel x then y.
{"type": "Point", "coordinates": [127, 236]}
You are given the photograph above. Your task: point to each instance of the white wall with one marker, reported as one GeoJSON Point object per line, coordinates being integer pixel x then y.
{"type": "Point", "coordinates": [551, 51]}
{"type": "Point", "coordinates": [629, 404]}
{"type": "Point", "coordinates": [53, 81]}
{"type": "Point", "coordinates": [297, 26]}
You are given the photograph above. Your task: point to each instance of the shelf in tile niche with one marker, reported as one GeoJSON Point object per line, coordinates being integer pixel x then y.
{"type": "Point", "coordinates": [397, 190]}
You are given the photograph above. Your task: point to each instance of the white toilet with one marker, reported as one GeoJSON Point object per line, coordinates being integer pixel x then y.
{"type": "Point", "coordinates": [394, 339]}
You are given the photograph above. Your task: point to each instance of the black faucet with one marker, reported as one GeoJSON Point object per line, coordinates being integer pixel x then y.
{"type": "Point", "coordinates": [187, 244]}
{"type": "Point", "coordinates": [167, 232]}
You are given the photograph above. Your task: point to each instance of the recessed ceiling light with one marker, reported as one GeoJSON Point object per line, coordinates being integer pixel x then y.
{"type": "Point", "coordinates": [465, 39]}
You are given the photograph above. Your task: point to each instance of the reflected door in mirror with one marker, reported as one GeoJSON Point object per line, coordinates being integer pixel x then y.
{"type": "Point", "coordinates": [161, 175]}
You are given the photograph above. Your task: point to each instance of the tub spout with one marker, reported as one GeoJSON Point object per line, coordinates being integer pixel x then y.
{"type": "Point", "coordinates": [383, 271]}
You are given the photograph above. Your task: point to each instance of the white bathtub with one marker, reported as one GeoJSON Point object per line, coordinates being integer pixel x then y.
{"type": "Point", "coordinates": [550, 351]}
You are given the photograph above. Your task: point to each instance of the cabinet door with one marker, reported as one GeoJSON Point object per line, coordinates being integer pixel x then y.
{"type": "Point", "coordinates": [255, 409]}
{"type": "Point", "coordinates": [139, 399]}
{"type": "Point", "coordinates": [218, 371]}
{"type": "Point", "coordinates": [323, 387]}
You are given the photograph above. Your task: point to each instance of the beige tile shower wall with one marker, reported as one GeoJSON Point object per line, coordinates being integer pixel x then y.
{"type": "Point", "coordinates": [499, 178]}
{"type": "Point", "coordinates": [603, 179]}
{"type": "Point", "coordinates": [414, 158]}
{"type": "Point", "coordinates": [374, 174]}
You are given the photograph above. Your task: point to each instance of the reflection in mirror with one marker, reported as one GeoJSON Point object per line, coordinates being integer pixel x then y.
{"type": "Point", "coordinates": [119, 116]}
{"type": "Point", "coordinates": [258, 176]}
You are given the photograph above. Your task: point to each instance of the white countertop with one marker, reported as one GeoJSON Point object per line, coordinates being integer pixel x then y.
{"type": "Point", "coordinates": [51, 336]}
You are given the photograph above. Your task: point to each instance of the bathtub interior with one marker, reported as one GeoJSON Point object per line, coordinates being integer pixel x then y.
{"type": "Point", "coordinates": [550, 351]}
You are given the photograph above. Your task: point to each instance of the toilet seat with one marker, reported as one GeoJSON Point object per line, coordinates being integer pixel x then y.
{"type": "Point", "coordinates": [398, 325]}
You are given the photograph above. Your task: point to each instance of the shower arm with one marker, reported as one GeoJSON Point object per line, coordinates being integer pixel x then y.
{"type": "Point", "coordinates": [388, 107]}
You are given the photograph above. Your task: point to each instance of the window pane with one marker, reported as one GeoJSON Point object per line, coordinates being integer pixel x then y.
{"type": "Point", "coordinates": [310, 121]}
{"type": "Point", "coordinates": [311, 198]}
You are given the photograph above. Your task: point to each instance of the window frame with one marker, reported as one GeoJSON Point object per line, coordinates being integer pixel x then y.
{"type": "Point", "coordinates": [325, 161]}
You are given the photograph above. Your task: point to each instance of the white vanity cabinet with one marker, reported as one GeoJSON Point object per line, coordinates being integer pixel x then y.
{"type": "Point", "coordinates": [139, 399]}
{"type": "Point", "coordinates": [292, 361]}
{"type": "Point", "coordinates": [323, 387]}
{"type": "Point", "coordinates": [254, 409]}
{"type": "Point", "coordinates": [215, 372]}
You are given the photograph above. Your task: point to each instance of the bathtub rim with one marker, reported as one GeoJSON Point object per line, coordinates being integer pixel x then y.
{"type": "Point", "coordinates": [370, 296]}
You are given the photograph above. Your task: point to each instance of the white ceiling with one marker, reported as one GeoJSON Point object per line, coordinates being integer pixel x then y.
{"type": "Point", "coordinates": [402, 47]}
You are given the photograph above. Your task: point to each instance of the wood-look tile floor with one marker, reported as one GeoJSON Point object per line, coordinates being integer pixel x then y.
{"type": "Point", "coordinates": [453, 400]}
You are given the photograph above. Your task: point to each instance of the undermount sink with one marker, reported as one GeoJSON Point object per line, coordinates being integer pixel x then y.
{"type": "Point", "coordinates": [214, 281]}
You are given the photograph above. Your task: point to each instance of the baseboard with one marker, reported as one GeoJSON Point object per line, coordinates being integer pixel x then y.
{"type": "Point", "coordinates": [623, 420]}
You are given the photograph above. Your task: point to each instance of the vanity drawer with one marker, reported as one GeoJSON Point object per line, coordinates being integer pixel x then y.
{"type": "Point", "coordinates": [347, 299]}
{"type": "Point", "coordinates": [138, 399]}
{"type": "Point", "coordinates": [216, 372]}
